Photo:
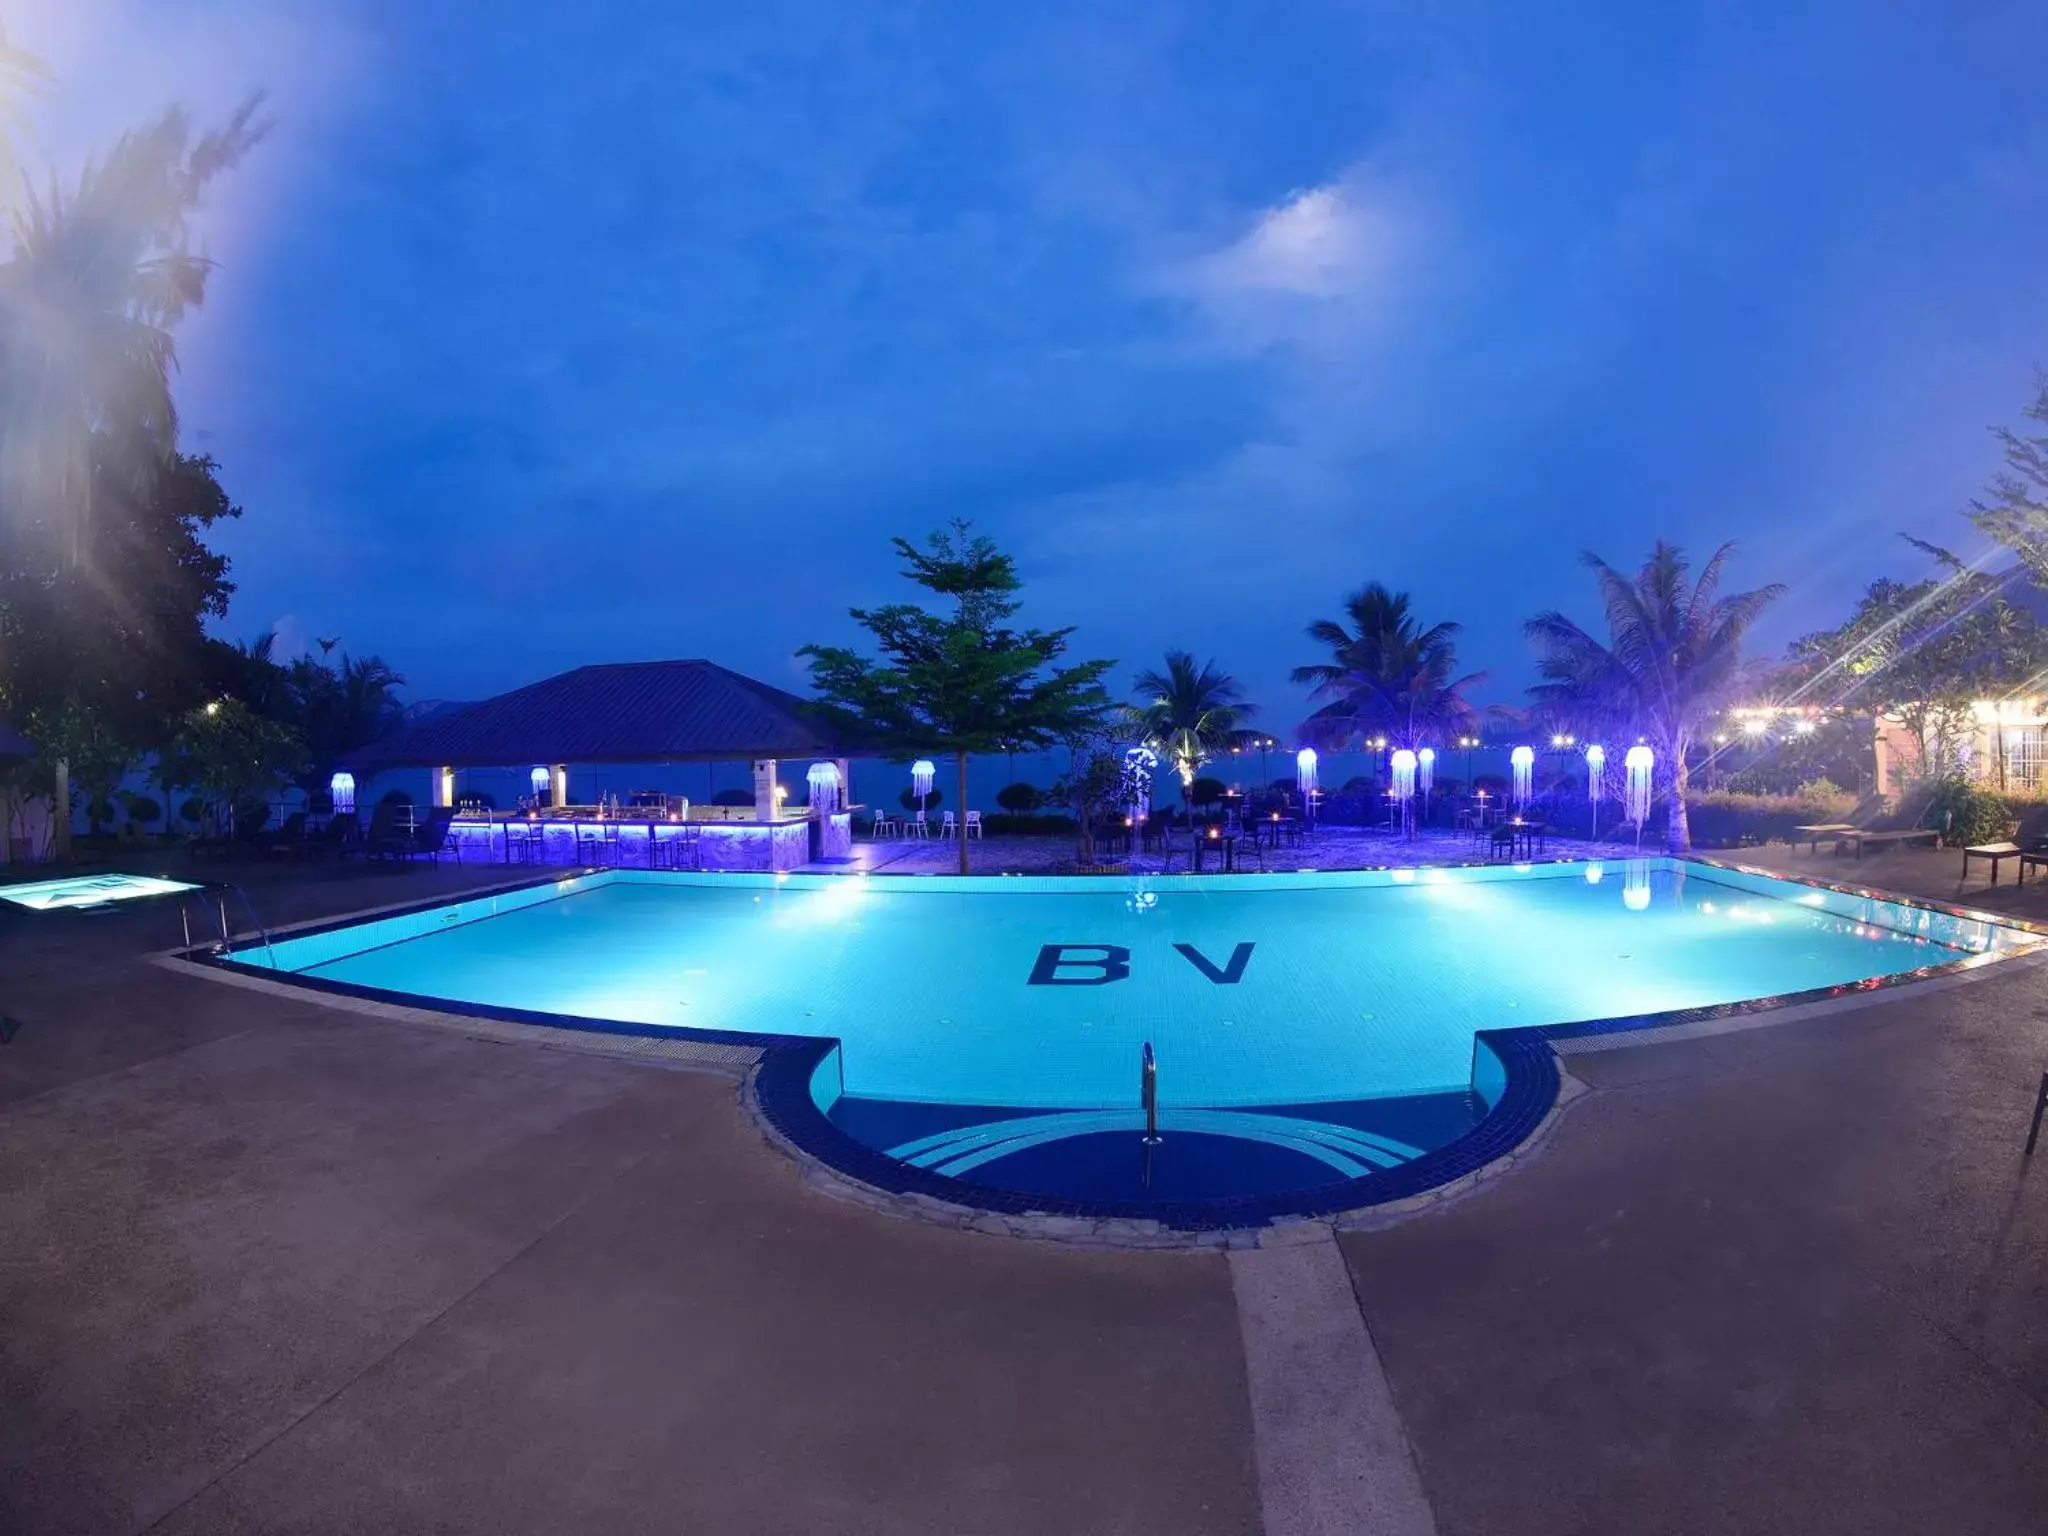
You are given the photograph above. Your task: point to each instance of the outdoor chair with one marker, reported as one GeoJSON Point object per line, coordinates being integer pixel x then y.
{"type": "Point", "coordinates": [385, 839]}
{"type": "Point", "coordinates": [974, 824]}
{"type": "Point", "coordinates": [335, 837]}
{"type": "Point", "coordinates": [290, 837]}
{"type": "Point", "coordinates": [949, 826]}
{"type": "Point", "coordinates": [430, 838]}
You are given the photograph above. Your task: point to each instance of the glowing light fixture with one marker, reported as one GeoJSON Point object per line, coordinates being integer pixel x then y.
{"type": "Point", "coordinates": [823, 779]}
{"type": "Point", "coordinates": [342, 789]}
{"type": "Point", "coordinates": [1639, 763]}
{"type": "Point", "coordinates": [1404, 776]}
{"type": "Point", "coordinates": [1524, 761]}
{"type": "Point", "coordinates": [1753, 726]}
{"type": "Point", "coordinates": [1305, 772]}
{"type": "Point", "coordinates": [1805, 728]}
{"type": "Point", "coordinates": [1425, 761]}
{"type": "Point", "coordinates": [1596, 760]}
{"type": "Point", "coordinates": [539, 780]}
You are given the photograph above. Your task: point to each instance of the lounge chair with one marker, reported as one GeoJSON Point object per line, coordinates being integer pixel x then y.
{"type": "Point", "coordinates": [1822, 832]}
{"type": "Point", "coordinates": [1858, 838]}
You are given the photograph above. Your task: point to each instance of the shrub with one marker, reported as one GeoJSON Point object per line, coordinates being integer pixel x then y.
{"type": "Point", "coordinates": [1207, 791]}
{"type": "Point", "coordinates": [192, 810]}
{"type": "Point", "coordinates": [1020, 799]}
{"type": "Point", "coordinates": [909, 799]}
{"type": "Point", "coordinates": [394, 797]}
{"type": "Point", "coordinates": [733, 797]}
{"type": "Point", "coordinates": [1965, 813]}
{"type": "Point", "coordinates": [99, 812]}
{"type": "Point", "coordinates": [1727, 819]}
{"type": "Point", "coordinates": [143, 812]}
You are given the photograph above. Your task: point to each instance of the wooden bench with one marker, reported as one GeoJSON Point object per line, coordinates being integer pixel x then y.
{"type": "Point", "coordinates": [1858, 838]}
{"type": "Point", "coordinates": [2035, 856]}
{"type": "Point", "coordinates": [1993, 854]}
{"type": "Point", "coordinates": [1816, 835]}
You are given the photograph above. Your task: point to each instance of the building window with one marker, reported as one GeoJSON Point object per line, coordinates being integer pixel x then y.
{"type": "Point", "coordinates": [2026, 756]}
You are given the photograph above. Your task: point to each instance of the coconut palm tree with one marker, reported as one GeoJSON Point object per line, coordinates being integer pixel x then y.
{"type": "Point", "coordinates": [1672, 660]}
{"type": "Point", "coordinates": [98, 279]}
{"type": "Point", "coordinates": [1189, 714]}
{"type": "Point", "coordinates": [1386, 676]}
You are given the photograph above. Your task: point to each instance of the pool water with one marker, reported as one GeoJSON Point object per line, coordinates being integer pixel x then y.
{"type": "Point", "coordinates": [1322, 1023]}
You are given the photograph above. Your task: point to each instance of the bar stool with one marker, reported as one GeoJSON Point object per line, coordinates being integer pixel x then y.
{"type": "Point", "coordinates": [597, 843]}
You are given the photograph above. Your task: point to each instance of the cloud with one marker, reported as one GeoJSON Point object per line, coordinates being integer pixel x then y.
{"type": "Point", "coordinates": [1318, 267]}
{"type": "Point", "coordinates": [1315, 243]}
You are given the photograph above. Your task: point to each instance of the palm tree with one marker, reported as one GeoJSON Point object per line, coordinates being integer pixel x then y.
{"type": "Point", "coordinates": [1386, 676]}
{"type": "Point", "coordinates": [98, 279]}
{"type": "Point", "coordinates": [1189, 714]}
{"type": "Point", "coordinates": [1672, 660]}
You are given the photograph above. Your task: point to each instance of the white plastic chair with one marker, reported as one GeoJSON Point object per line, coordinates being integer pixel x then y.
{"type": "Point", "coordinates": [886, 827]}
{"type": "Point", "coordinates": [949, 825]}
{"type": "Point", "coordinates": [974, 823]}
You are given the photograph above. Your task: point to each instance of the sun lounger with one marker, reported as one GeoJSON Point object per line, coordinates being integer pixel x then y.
{"type": "Point", "coordinates": [1821, 832]}
{"type": "Point", "coordinates": [1857, 839]}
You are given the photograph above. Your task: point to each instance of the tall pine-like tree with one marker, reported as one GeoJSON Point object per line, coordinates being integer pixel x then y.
{"type": "Point", "coordinates": [959, 679]}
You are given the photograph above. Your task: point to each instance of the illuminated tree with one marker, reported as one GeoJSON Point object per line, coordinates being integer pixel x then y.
{"type": "Point", "coordinates": [1671, 661]}
{"type": "Point", "coordinates": [1190, 714]}
{"type": "Point", "coordinates": [961, 680]}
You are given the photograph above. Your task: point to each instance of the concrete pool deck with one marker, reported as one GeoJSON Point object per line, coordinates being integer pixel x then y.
{"type": "Point", "coordinates": [274, 1267]}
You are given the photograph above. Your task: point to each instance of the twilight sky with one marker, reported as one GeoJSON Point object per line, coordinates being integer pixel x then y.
{"type": "Point", "coordinates": [547, 335]}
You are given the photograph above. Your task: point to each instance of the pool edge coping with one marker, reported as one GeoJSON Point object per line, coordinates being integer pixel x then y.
{"type": "Point", "coordinates": [776, 1089]}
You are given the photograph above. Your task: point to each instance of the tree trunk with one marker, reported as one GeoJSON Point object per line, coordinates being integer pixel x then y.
{"type": "Point", "coordinates": [1679, 829]}
{"type": "Point", "coordinates": [962, 802]}
{"type": "Point", "coordinates": [60, 811]}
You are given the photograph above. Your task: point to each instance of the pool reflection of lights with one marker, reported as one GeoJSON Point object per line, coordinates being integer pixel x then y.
{"type": "Point", "coordinates": [1595, 873]}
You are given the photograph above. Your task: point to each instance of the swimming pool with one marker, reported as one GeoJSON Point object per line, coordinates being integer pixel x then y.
{"type": "Point", "coordinates": [79, 892]}
{"type": "Point", "coordinates": [1310, 1030]}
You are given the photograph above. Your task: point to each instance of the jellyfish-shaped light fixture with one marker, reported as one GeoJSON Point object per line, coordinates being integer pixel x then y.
{"type": "Point", "coordinates": [539, 780]}
{"type": "Point", "coordinates": [1524, 761]}
{"type": "Point", "coordinates": [1404, 763]}
{"type": "Point", "coordinates": [1425, 775]}
{"type": "Point", "coordinates": [1305, 773]}
{"type": "Point", "coordinates": [921, 775]}
{"type": "Point", "coordinates": [342, 789]}
{"type": "Point", "coordinates": [823, 779]}
{"type": "Point", "coordinates": [1596, 761]}
{"type": "Point", "coordinates": [1639, 762]}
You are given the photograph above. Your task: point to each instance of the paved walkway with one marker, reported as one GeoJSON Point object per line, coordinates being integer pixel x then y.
{"type": "Point", "coordinates": [272, 1267]}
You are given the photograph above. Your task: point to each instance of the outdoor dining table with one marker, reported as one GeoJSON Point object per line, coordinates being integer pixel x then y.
{"type": "Point", "coordinates": [1528, 837]}
{"type": "Point", "coordinates": [1226, 841]}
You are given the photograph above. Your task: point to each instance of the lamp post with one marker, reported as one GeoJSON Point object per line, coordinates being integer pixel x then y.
{"type": "Point", "coordinates": [1469, 743]}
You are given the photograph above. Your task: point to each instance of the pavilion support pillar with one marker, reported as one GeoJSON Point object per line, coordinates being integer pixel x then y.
{"type": "Point", "coordinates": [765, 808]}
{"type": "Point", "coordinates": [444, 786]}
{"type": "Point", "coordinates": [558, 785]}
{"type": "Point", "coordinates": [845, 781]}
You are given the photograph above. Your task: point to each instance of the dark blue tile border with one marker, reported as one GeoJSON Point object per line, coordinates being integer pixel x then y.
{"type": "Point", "coordinates": [782, 1083]}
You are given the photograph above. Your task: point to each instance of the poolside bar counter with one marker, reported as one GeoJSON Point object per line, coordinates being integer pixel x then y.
{"type": "Point", "coordinates": [576, 836]}
{"type": "Point", "coordinates": [648, 713]}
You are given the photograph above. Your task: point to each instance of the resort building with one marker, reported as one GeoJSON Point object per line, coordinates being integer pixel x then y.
{"type": "Point", "coordinates": [2001, 744]}
{"type": "Point", "coordinates": [643, 713]}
